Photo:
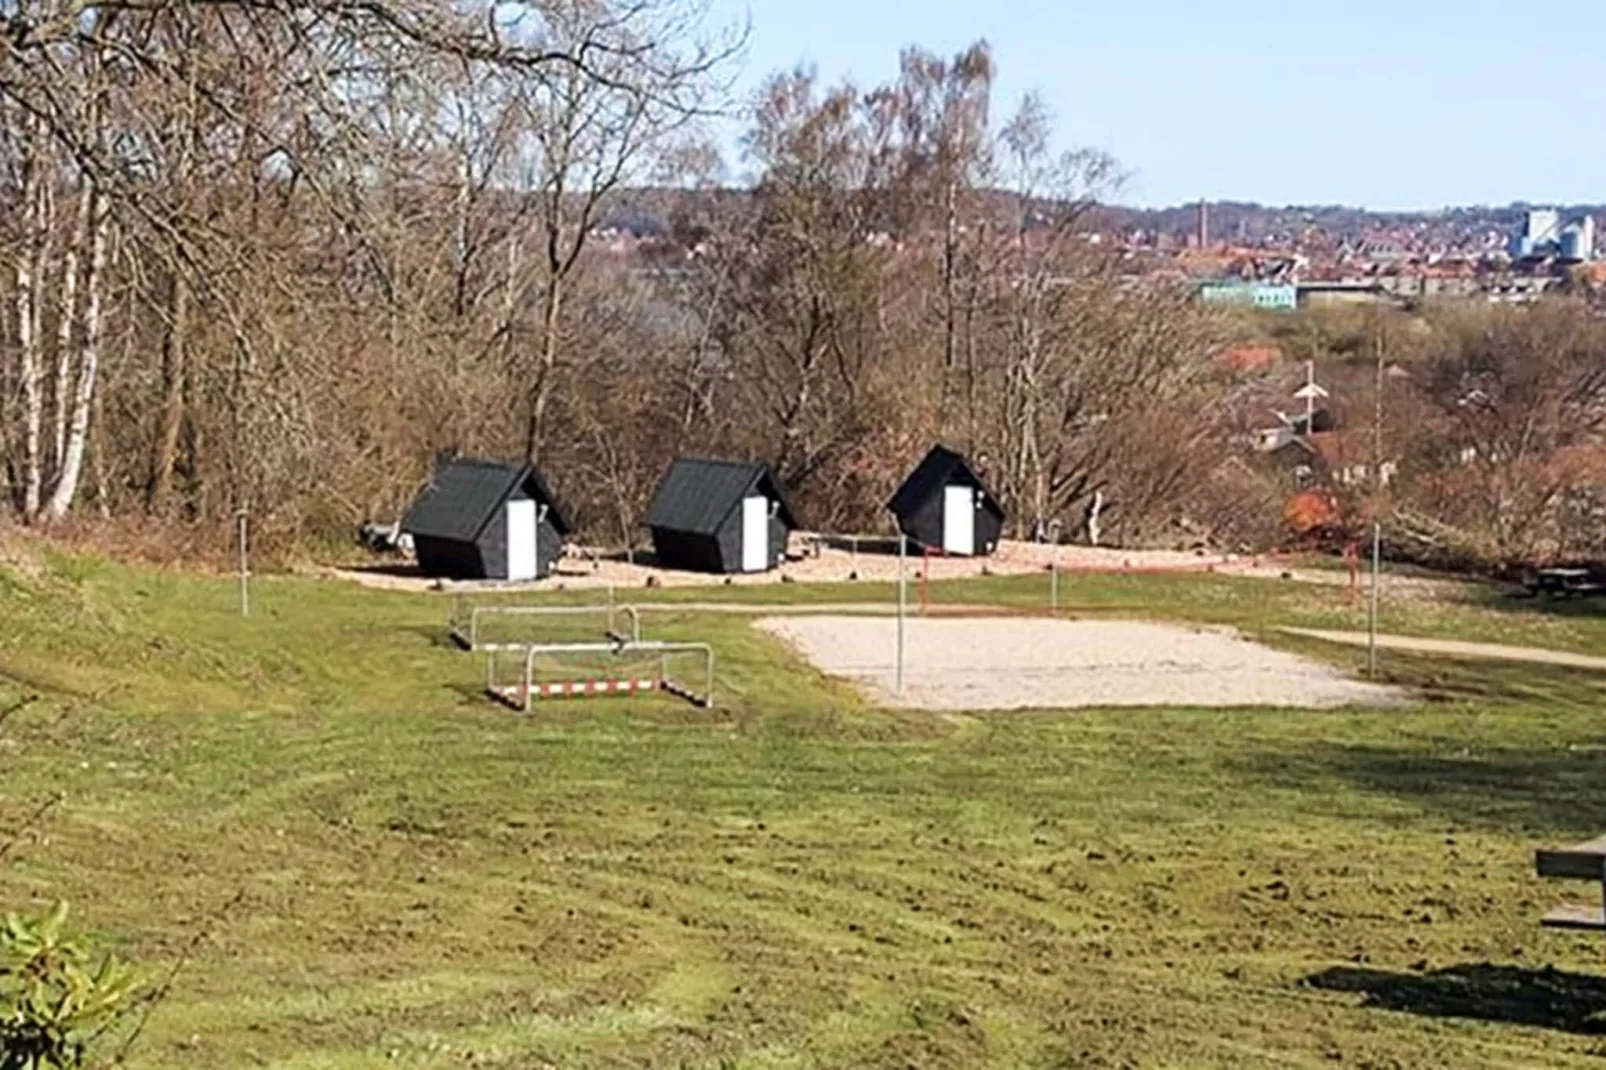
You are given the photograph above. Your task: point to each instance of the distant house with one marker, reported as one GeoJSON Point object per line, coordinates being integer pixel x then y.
{"type": "Point", "coordinates": [480, 519]}
{"type": "Point", "coordinates": [1357, 291]}
{"type": "Point", "coordinates": [720, 516]}
{"type": "Point", "coordinates": [1345, 458]}
{"type": "Point", "coordinates": [943, 505]}
{"type": "Point", "coordinates": [1292, 427]}
{"type": "Point", "coordinates": [1332, 458]}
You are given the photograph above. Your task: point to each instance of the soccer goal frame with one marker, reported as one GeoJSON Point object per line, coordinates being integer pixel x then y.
{"type": "Point", "coordinates": [465, 626]}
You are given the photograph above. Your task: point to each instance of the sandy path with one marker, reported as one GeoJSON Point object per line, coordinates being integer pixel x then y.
{"type": "Point", "coordinates": [582, 571]}
{"type": "Point", "coordinates": [1459, 649]}
{"type": "Point", "coordinates": [1014, 663]}
{"type": "Point", "coordinates": [860, 609]}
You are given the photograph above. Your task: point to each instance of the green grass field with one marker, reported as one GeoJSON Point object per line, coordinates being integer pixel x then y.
{"type": "Point", "coordinates": [793, 879]}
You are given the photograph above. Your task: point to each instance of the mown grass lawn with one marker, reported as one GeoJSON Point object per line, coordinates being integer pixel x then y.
{"type": "Point", "coordinates": [792, 879]}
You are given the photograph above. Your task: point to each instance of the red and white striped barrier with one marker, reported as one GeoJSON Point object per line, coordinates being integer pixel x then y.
{"type": "Point", "coordinates": [570, 688]}
{"type": "Point", "coordinates": [522, 695]}
{"type": "Point", "coordinates": [515, 695]}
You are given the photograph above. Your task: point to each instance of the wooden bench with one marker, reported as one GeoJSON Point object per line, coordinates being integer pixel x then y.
{"type": "Point", "coordinates": [1582, 861]}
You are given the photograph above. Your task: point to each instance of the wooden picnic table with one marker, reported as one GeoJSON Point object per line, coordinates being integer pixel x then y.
{"type": "Point", "coordinates": [1581, 861]}
{"type": "Point", "coordinates": [1566, 582]}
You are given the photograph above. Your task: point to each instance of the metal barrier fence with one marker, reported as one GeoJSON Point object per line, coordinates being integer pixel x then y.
{"type": "Point", "coordinates": [466, 621]}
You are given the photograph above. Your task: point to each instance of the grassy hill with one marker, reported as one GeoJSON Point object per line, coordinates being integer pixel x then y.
{"type": "Point", "coordinates": [419, 878]}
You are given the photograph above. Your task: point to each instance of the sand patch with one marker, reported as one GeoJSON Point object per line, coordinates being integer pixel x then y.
{"type": "Point", "coordinates": [993, 663]}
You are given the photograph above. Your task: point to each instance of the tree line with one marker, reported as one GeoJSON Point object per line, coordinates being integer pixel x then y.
{"type": "Point", "coordinates": [275, 256]}
{"type": "Point", "coordinates": [1486, 423]}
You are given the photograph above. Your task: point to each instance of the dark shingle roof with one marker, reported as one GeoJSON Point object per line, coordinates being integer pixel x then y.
{"type": "Point", "coordinates": [698, 493]}
{"type": "Point", "coordinates": [935, 471]}
{"type": "Point", "coordinates": [464, 493]}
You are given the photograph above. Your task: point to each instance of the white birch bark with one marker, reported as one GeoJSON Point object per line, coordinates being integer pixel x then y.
{"type": "Point", "coordinates": [66, 488]}
{"type": "Point", "coordinates": [30, 365]}
{"type": "Point", "coordinates": [67, 317]}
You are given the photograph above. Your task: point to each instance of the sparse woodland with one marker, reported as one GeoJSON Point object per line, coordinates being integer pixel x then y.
{"type": "Point", "coordinates": [274, 255]}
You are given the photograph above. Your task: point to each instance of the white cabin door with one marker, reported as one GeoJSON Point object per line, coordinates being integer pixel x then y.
{"type": "Point", "coordinates": [755, 534]}
{"type": "Point", "coordinates": [521, 528]}
{"type": "Point", "coordinates": [958, 520]}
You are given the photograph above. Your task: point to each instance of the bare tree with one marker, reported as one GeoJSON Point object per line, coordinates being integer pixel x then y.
{"type": "Point", "coordinates": [29, 269]}
{"type": "Point", "coordinates": [798, 288]}
{"type": "Point", "coordinates": [233, 146]}
{"type": "Point", "coordinates": [939, 109]}
{"type": "Point", "coordinates": [596, 124]}
{"type": "Point", "coordinates": [1513, 431]}
{"type": "Point", "coordinates": [71, 456]}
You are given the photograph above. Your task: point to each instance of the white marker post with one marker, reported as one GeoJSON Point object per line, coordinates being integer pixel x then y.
{"type": "Point", "coordinates": [1054, 567]}
{"type": "Point", "coordinates": [245, 564]}
{"type": "Point", "coordinates": [1377, 523]}
{"type": "Point", "coordinates": [1371, 617]}
{"type": "Point", "coordinates": [897, 672]}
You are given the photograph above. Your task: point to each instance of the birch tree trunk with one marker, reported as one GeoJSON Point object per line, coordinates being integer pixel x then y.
{"type": "Point", "coordinates": [30, 365]}
{"type": "Point", "coordinates": [89, 362]}
{"type": "Point", "coordinates": [535, 435]}
{"type": "Point", "coordinates": [67, 316]}
{"type": "Point", "coordinates": [950, 247]}
{"type": "Point", "coordinates": [97, 454]}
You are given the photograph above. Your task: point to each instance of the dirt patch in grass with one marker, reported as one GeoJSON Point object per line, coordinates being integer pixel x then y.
{"type": "Point", "coordinates": [1003, 663]}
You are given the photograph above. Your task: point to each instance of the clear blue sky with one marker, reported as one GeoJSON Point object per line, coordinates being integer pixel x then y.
{"type": "Point", "coordinates": [1404, 104]}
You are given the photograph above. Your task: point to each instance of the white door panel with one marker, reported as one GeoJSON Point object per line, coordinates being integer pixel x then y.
{"type": "Point", "coordinates": [958, 520]}
{"type": "Point", "coordinates": [755, 534]}
{"type": "Point", "coordinates": [521, 536]}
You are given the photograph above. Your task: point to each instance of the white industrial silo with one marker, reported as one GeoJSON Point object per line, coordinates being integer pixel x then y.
{"type": "Point", "coordinates": [1543, 225]}
{"type": "Point", "coordinates": [1577, 241]}
{"type": "Point", "coordinates": [1572, 242]}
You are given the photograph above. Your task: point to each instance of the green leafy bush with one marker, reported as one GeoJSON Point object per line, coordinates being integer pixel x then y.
{"type": "Point", "coordinates": [55, 1000]}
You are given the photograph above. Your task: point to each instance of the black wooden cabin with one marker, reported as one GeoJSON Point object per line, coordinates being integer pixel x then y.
{"type": "Point", "coordinates": [943, 505]}
{"type": "Point", "coordinates": [480, 519]}
{"type": "Point", "coordinates": [720, 516]}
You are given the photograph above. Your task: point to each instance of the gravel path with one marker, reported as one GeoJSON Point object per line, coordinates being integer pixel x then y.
{"type": "Point", "coordinates": [992, 663]}
{"type": "Point", "coordinates": [1457, 648]}
{"type": "Point", "coordinates": [863, 609]}
{"type": "Point", "coordinates": [835, 565]}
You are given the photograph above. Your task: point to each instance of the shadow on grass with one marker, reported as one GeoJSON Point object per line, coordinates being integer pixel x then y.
{"type": "Point", "coordinates": [1550, 791]}
{"type": "Point", "coordinates": [1516, 747]}
{"type": "Point", "coordinates": [1546, 998]}
{"type": "Point", "coordinates": [1505, 598]}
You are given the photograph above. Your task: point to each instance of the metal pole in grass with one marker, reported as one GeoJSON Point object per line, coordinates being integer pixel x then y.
{"type": "Point", "coordinates": [1054, 567]}
{"type": "Point", "coordinates": [1379, 347]}
{"type": "Point", "coordinates": [1371, 616]}
{"type": "Point", "coordinates": [243, 521]}
{"type": "Point", "coordinates": [898, 659]}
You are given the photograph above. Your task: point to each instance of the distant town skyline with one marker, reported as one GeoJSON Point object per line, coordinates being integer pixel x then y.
{"type": "Point", "coordinates": [1367, 104]}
